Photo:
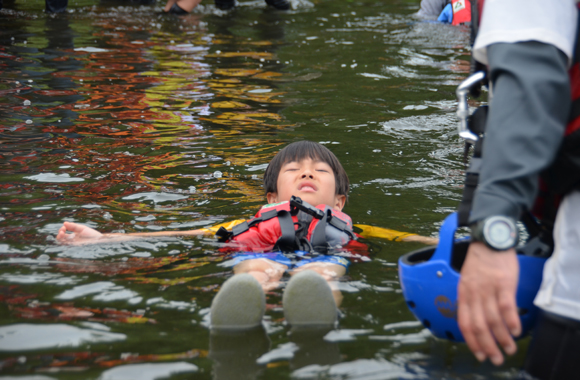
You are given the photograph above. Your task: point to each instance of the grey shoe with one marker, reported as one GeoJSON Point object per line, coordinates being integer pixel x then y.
{"type": "Point", "coordinates": [308, 301]}
{"type": "Point", "coordinates": [240, 304]}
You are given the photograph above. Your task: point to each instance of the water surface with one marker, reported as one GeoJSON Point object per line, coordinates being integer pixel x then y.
{"type": "Point", "coordinates": [126, 119]}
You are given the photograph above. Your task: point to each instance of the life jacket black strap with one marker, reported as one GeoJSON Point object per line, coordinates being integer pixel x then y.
{"type": "Point", "coordinates": [287, 239]}
{"type": "Point", "coordinates": [224, 235]}
{"type": "Point", "coordinates": [318, 238]}
{"type": "Point", "coordinates": [240, 228]}
{"type": "Point", "coordinates": [268, 215]}
{"type": "Point", "coordinates": [337, 223]}
{"type": "Point", "coordinates": [244, 226]}
{"type": "Point", "coordinates": [342, 226]}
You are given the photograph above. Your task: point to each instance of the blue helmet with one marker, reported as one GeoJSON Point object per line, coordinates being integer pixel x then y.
{"type": "Point", "coordinates": [429, 278]}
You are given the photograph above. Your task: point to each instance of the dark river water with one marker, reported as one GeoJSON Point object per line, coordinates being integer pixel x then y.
{"type": "Point", "coordinates": [125, 119]}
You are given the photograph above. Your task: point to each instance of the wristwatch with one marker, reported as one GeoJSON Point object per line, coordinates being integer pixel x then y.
{"type": "Point", "coordinates": [497, 232]}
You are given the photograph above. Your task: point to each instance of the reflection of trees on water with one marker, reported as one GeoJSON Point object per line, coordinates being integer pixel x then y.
{"type": "Point", "coordinates": [182, 110]}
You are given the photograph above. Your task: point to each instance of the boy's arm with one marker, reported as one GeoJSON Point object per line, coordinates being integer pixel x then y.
{"type": "Point", "coordinates": [76, 234]}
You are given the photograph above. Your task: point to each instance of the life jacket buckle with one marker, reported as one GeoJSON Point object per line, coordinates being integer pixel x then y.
{"type": "Point", "coordinates": [298, 204]}
{"type": "Point", "coordinates": [223, 235]}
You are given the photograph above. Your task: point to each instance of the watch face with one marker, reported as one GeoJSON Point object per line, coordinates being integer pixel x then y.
{"type": "Point", "coordinates": [500, 233]}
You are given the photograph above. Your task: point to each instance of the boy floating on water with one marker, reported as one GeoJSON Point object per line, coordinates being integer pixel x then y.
{"type": "Point", "coordinates": [306, 188]}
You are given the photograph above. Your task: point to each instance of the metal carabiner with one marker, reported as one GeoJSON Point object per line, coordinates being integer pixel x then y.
{"type": "Point", "coordinates": [463, 107]}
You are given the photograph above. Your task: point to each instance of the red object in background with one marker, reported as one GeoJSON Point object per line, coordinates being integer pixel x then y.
{"type": "Point", "coordinates": [461, 11]}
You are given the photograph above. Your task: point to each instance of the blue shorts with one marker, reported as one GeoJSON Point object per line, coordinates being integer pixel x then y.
{"type": "Point", "coordinates": [296, 260]}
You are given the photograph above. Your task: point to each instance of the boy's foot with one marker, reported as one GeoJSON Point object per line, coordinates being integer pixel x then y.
{"type": "Point", "coordinates": [308, 301]}
{"type": "Point", "coordinates": [279, 4]}
{"type": "Point", "coordinates": [240, 304]}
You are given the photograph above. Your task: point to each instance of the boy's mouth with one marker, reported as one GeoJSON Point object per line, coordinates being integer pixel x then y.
{"type": "Point", "coordinates": [307, 187]}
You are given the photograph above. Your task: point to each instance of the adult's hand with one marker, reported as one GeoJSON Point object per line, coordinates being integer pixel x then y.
{"type": "Point", "coordinates": [486, 297]}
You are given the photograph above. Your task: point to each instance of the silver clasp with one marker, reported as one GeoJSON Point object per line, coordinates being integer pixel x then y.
{"type": "Point", "coordinates": [463, 107]}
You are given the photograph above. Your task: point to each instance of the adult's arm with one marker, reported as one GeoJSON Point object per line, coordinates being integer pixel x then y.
{"type": "Point", "coordinates": [526, 122]}
{"type": "Point", "coordinates": [527, 118]}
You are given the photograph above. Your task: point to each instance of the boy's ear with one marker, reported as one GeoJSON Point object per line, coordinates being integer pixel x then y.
{"type": "Point", "coordinates": [272, 197]}
{"type": "Point", "coordinates": [339, 201]}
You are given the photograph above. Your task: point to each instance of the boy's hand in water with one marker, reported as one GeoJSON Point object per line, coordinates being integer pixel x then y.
{"type": "Point", "coordinates": [79, 234]}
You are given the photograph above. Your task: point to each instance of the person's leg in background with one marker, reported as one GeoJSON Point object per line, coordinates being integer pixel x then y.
{"type": "Point", "coordinates": [56, 6]}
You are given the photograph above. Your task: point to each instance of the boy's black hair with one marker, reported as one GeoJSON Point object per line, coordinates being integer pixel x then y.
{"type": "Point", "coordinates": [298, 151]}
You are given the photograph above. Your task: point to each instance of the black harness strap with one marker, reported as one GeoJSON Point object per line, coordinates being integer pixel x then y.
{"type": "Point", "coordinates": [471, 181]}
{"type": "Point", "coordinates": [476, 125]}
{"type": "Point", "coordinates": [575, 110]}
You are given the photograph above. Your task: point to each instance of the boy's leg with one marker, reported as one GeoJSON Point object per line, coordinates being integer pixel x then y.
{"type": "Point", "coordinates": [330, 272]}
{"type": "Point", "coordinates": [308, 301]}
{"type": "Point", "coordinates": [266, 271]}
{"type": "Point", "coordinates": [240, 304]}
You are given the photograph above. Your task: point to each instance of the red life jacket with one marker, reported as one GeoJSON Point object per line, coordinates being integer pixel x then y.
{"type": "Point", "coordinates": [461, 11]}
{"type": "Point", "coordinates": [277, 227]}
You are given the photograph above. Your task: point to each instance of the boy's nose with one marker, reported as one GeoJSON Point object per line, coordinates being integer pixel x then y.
{"type": "Point", "coordinates": [307, 174]}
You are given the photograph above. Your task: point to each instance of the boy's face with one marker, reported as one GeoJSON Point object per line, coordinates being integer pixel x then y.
{"type": "Point", "coordinates": [313, 181]}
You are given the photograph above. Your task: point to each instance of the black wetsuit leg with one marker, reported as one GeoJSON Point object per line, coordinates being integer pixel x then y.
{"type": "Point", "coordinates": [279, 4]}
{"type": "Point", "coordinates": [177, 10]}
{"type": "Point", "coordinates": [56, 6]}
{"type": "Point", "coordinates": [225, 4]}
{"type": "Point", "coordinates": [554, 353]}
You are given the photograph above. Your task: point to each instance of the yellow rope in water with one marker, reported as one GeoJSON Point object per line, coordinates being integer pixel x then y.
{"type": "Point", "coordinates": [227, 225]}
{"type": "Point", "coordinates": [383, 233]}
